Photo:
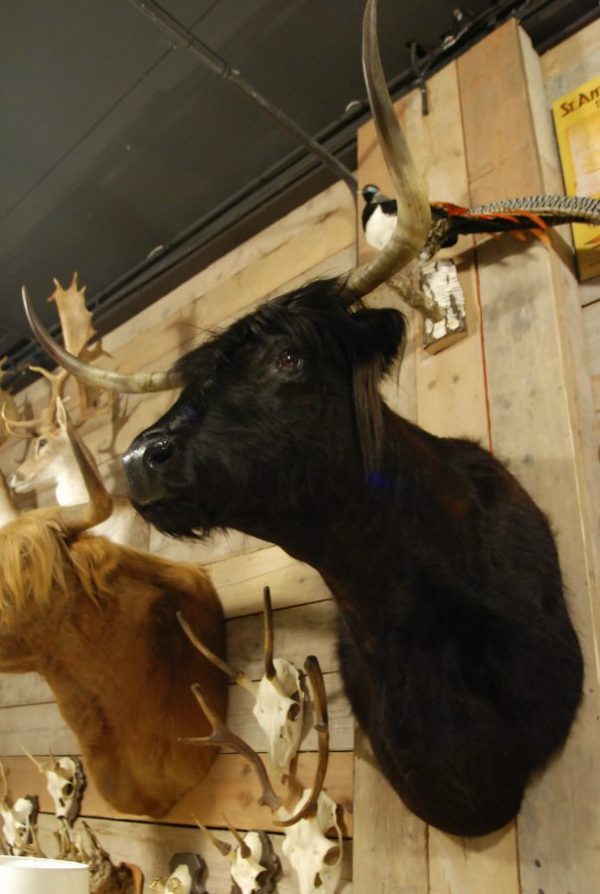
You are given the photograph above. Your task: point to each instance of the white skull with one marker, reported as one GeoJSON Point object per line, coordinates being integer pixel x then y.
{"type": "Point", "coordinates": [17, 824]}
{"type": "Point", "coordinates": [245, 870]}
{"type": "Point", "coordinates": [279, 710]}
{"type": "Point", "coordinates": [316, 859]}
{"type": "Point", "coordinates": [257, 871]}
{"type": "Point", "coordinates": [65, 781]}
{"type": "Point", "coordinates": [180, 880]}
{"type": "Point", "coordinates": [186, 870]}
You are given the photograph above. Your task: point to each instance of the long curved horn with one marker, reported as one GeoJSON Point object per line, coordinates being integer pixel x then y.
{"type": "Point", "coordinates": [137, 383]}
{"type": "Point", "coordinates": [414, 215]}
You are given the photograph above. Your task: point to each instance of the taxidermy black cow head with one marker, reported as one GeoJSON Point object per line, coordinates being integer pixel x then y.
{"type": "Point", "coordinates": [456, 647]}
{"type": "Point", "coordinates": [297, 378]}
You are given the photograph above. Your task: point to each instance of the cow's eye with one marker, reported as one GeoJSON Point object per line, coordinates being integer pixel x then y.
{"type": "Point", "coordinates": [289, 361]}
{"type": "Point", "coordinates": [41, 443]}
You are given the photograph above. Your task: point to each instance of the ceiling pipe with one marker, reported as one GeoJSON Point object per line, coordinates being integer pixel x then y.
{"type": "Point", "coordinates": [185, 39]}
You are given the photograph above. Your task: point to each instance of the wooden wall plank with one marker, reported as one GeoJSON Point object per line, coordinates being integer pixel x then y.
{"type": "Point", "coordinates": [228, 788]}
{"type": "Point", "coordinates": [572, 62]}
{"type": "Point", "coordinates": [298, 632]}
{"type": "Point", "coordinates": [476, 865]}
{"type": "Point", "coordinates": [23, 689]}
{"type": "Point", "coordinates": [451, 402]}
{"type": "Point", "coordinates": [390, 853]}
{"type": "Point", "coordinates": [150, 846]}
{"type": "Point", "coordinates": [240, 581]}
{"type": "Point", "coordinates": [530, 316]}
{"type": "Point", "coordinates": [311, 234]}
{"type": "Point", "coordinates": [27, 726]}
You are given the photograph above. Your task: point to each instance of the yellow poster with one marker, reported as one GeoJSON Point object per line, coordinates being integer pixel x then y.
{"type": "Point", "coordinates": [577, 123]}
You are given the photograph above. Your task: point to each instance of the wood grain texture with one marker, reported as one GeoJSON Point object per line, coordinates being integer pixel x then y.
{"type": "Point", "coordinates": [572, 62]}
{"type": "Point", "coordinates": [451, 401]}
{"type": "Point", "coordinates": [27, 726]}
{"type": "Point", "coordinates": [389, 851]}
{"type": "Point", "coordinates": [230, 787]}
{"type": "Point", "coordinates": [539, 422]}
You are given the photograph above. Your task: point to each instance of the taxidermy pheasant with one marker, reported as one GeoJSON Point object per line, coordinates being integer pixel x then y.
{"type": "Point", "coordinates": [448, 221]}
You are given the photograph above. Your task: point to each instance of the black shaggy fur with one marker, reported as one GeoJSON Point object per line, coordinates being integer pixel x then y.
{"type": "Point", "coordinates": [456, 647]}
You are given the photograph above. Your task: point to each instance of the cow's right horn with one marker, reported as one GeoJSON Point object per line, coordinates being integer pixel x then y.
{"type": "Point", "coordinates": [137, 383]}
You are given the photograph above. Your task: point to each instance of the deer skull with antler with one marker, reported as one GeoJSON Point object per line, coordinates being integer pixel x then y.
{"type": "Point", "coordinates": [106, 877]}
{"type": "Point", "coordinates": [186, 873]}
{"type": "Point", "coordinates": [316, 860]}
{"type": "Point", "coordinates": [47, 456]}
{"type": "Point", "coordinates": [279, 697]}
{"type": "Point", "coordinates": [19, 822]}
{"type": "Point", "coordinates": [65, 782]}
{"type": "Point", "coordinates": [254, 865]}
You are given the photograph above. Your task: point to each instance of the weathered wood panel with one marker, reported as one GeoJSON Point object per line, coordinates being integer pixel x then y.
{"type": "Point", "coordinates": [229, 788]}
{"type": "Point", "coordinates": [531, 319]}
{"type": "Point", "coordinates": [25, 726]}
{"type": "Point", "coordinates": [452, 402]}
{"type": "Point", "coordinates": [239, 581]}
{"type": "Point", "coordinates": [390, 843]}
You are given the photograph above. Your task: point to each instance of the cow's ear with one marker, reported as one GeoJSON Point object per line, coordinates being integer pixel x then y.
{"type": "Point", "coordinates": [380, 335]}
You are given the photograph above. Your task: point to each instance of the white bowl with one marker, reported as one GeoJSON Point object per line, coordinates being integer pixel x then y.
{"type": "Point", "coordinates": [35, 875]}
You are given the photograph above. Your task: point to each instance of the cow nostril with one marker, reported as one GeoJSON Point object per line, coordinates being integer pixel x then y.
{"type": "Point", "coordinates": [160, 452]}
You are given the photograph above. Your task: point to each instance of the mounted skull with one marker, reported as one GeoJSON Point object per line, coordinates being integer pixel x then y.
{"type": "Point", "coordinates": [255, 867]}
{"type": "Point", "coordinates": [19, 822]}
{"type": "Point", "coordinates": [316, 860]}
{"type": "Point", "coordinates": [279, 697]}
{"type": "Point", "coordinates": [187, 872]}
{"type": "Point", "coordinates": [65, 782]}
{"type": "Point", "coordinates": [82, 846]}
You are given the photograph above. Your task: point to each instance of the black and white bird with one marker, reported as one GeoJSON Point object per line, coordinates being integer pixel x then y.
{"type": "Point", "coordinates": [378, 216]}
{"type": "Point", "coordinates": [449, 221]}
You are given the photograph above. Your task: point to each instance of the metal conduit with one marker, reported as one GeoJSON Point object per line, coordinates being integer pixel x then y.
{"type": "Point", "coordinates": [185, 39]}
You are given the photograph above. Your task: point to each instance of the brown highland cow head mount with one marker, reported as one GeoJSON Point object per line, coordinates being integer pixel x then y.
{"type": "Point", "coordinates": [98, 621]}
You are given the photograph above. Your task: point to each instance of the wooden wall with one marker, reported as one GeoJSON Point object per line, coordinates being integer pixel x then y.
{"type": "Point", "coordinates": [517, 382]}
{"type": "Point", "coordinates": [564, 68]}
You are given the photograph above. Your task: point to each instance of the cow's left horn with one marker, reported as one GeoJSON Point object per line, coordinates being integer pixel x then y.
{"type": "Point", "coordinates": [137, 383]}
{"type": "Point", "coordinates": [414, 215]}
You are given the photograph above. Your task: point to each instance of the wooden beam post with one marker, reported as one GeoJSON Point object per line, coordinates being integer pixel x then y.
{"type": "Point", "coordinates": [541, 418]}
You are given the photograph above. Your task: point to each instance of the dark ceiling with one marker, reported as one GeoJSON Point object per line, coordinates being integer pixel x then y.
{"type": "Point", "coordinates": [123, 157]}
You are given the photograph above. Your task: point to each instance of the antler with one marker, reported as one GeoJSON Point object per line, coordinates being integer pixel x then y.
{"type": "Point", "coordinates": [75, 319]}
{"type": "Point", "coordinates": [30, 428]}
{"type": "Point", "coordinates": [270, 672]}
{"type": "Point", "coordinates": [6, 399]}
{"type": "Point", "coordinates": [414, 214]}
{"type": "Point", "coordinates": [321, 725]}
{"type": "Point", "coordinates": [237, 676]}
{"type": "Point", "coordinates": [223, 847]}
{"type": "Point", "coordinates": [222, 735]}
{"type": "Point", "coordinates": [77, 330]}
